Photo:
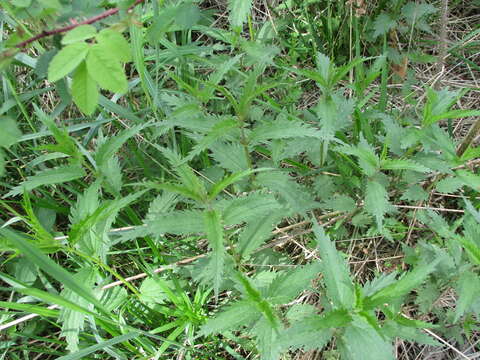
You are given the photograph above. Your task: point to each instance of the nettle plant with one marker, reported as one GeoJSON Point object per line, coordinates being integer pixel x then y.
{"type": "Point", "coordinates": [237, 159]}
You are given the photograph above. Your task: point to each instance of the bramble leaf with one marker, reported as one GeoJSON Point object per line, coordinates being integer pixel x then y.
{"type": "Point", "coordinates": [66, 60]}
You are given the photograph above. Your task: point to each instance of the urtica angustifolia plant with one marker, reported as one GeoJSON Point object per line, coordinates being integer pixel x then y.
{"type": "Point", "coordinates": [177, 183]}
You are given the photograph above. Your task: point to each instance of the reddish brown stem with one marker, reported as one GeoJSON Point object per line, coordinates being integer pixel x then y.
{"type": "Point", "coordinates": [92, 20]}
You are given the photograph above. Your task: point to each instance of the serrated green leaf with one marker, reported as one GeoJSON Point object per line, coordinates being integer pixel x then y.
{"type": "Point", "coordinates": [313, 332]}
{"type": "Point", "coordinates": [10, 131]}
{"type": "Point", "coordinates": [232, 317]}
{"type": "Point", "coordinates": [177, 222]}
{"type": "Point", "coordinates": [288, 285]}
{"type": "Point", "coordinates": [469, 179]}
{"type": "Point", "coordinates": [80, 33]}
{"type": "Point", "coordinates": [282, 129]}
{"type": "Point", "coordinates": [473, 250]}
{"type": "Point", "coordinates": [360, 336]}
{"type": "Point", "coordinates": [382, 24]}
{"type": "Point", "coordinates": [256, 232]}
{"type": "Point", "coordinates": [111, 145]}
{"type": "Point", "coordinates": [238, 12]}
{"type": "Point", "coordinates": [214, 230]}
{"type": "Point", "coordinates": [401, 287]}
{"type": "Point", "coordinates": [115, 43]}
{"type": "Point", "coordinates": [261, 304]}
{"type": "Point", "coordinates": [248, 208]}
{"type": "Point", "coordinates": [468, 288]}
{"type": "Point", "coordinates": [337, 280]}
{"type": "Point", "coordinates": [297, 196]}
{"type": "Point", "coordinates": [84, 90]}
{"type": "Point", "coordinates": [106, 69]}
{"type": "Point", "coordinates": [376, 201]}
{"type": "Point", "coordinates": [402, 164]}
{"type": "Point", "coordinates": [367, 159]}
{"type": "Point", "coordinates": [58, 175]}
{"type": "Point", "coordinates": [394, 329]}
{"type": "Point", "coordinates": [66, 60]}
{"type": "Point", "coordinates": [230, 156]}
{"type": "Point", "coordinates": [449, 185]}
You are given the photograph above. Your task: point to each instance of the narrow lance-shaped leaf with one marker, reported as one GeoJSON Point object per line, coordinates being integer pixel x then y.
{"type": "Point", "coordinates": [335, 271]}
{"type": "Point", "coordinates": [214, 230]}
{"type": "Point", "coordinates": [401, 287]}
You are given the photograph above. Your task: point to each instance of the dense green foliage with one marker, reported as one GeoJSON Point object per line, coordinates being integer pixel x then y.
{"type": "Point", "coordinates": [177, 183]}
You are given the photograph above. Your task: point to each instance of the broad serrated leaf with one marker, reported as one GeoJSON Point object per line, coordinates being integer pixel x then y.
{"type": "Point", "coordinates": [214, 229]}
{"type": "Point", "coordinates": [66, 60]}
{"type": "Point", "coordinates": [337, 280]}
{"type": "Point", "coordinates": [313, 332]}
{"type": "Point", "coordinates": [107, 149]}
{"type": "Point", "coordinates": [248, 208]}
{"type": "Point", "coordinates": [112, 172]}
{"type": "Point", "coordinates": [106, 69]}
{"type": "Point", "coordinates": [415, 193]}
{"type": "Point", "coordinates": [218, 131]}
{"type": "Point", "coordinates": [401, 287]}
{"type": "Point", "coordinates": [469, 179]}
{"type": "Point", "coordinates": [282, 129]}
{"type": "Point", "coordinates": [230, 156]}
{"type": "Point", "coordinates": [298, 197]}
{"type": "Point", "coordinates": [288, 285]}
{"type": "Point", "coordinates": [382, 24]}
{"type": "Point", "coordinates": [73, 321]}
{"type": "Point", "coordinates": [10, 131]}
{"type": "Point", "coordinates": [58, 175]}
{"type": "Point", "coordinates": [360, 336]}
{"type": "Point", "coordinates": [367, 159]}
{"type": "Point", "coordinates": [80, 33]}
{"type": "Point", "coordinates": [402, 164]}
{"type": "Point", "coordinates": [266, 336]}
{"type": "Point", "coordinates": [393, 329]}
{"type": "Point", "coordinates": [177, 222]}
{"type": "Point", "coordinates": [185, 173]}
{"type": "Point", "coordinates": [84, 90]}
{"type": "Point", "coordinates": [468, 288]}
{"type": "Point", "coordinates": [238, 12]}
{"type": "Point", "coordinates": [261, 304]}
{"type": "Point", "coordinates": [256, 232]}
{"type": "Point", "coordinates": [449, 185]}
{"type": "Point", "coordinates": [115, 43]}
{"type": "Point", "coordinates": [240, 313]}
{"type": "Point", "coordinates": [376, 201]}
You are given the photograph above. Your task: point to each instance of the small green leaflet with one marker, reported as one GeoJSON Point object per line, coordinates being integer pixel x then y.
{"type": "Point", "coordinates": [80, 33]}
{"type": "Point", "coordinates": [58, 175]}
{"type": "Point", "coordinates": [67, 60]}
{"type": "Point", "coordinates": [84, 90]}
{"type": "Point", "coordinates": [114, 42]}
{"type": "Point", "coordinates": [106, 69]}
